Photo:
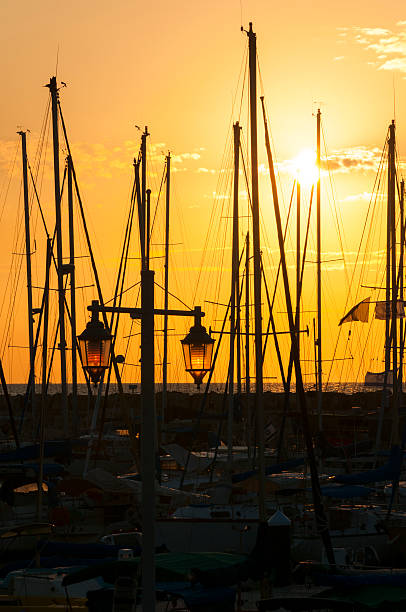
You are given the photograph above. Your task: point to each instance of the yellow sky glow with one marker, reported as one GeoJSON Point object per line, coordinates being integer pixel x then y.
{"type": "Point", "coordinates": [178, 68]}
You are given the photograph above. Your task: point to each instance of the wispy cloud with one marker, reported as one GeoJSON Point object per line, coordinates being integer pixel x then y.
{"type": "Point", "coordinates": [365, 196]}
{"type": "Point", "coordinates": [100, 159]}
{"type": "Point", "coordinates": [353, 158]}
{"type": "Point", "coordinates": [388, 46]}
{"type": "Point", "coordinates": [359, 157]}
{"type": "Point", "coordinates": [205, 171]}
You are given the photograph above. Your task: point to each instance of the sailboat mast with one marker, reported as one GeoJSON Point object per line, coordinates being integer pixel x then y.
{"type": "Point", "coordinates": [319, 360]}
{"type": "Point", "coordinates": [58, 224]}
{"type": "Point", "coordinates": [142, 218]}
{"type": "Point", "coordinates": [75, 423]}
{"type": "Point", "coordinates": [28, 267]}
{"type": "Point", "coordinates": [247, 316]}
{"type": "Point", "coordinates": [321, 519]}
{"type": "Point", "coordinates": [394, 296]}
{"type": "Point", "coordinates": [46, 319]}
{"type": "Point", "coordinates": [234, 293]}
{"type": "Point", "coordinates": [401, 296]}
{"type": "Point", "coordinates": [259, 407]}
{"type": "Point", "coordinates": [166, 292]}
{"type": "Point", "coordinates": [388, 274]}
{"type": "Point", "coordinates": [298, 271]}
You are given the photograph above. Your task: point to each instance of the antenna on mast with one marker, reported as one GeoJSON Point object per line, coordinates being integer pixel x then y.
{"type": "Point", "coordinates": [57, 61]}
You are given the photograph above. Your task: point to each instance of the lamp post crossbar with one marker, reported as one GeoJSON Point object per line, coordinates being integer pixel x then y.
{"type": "Point", "coordinates": [136, 313]}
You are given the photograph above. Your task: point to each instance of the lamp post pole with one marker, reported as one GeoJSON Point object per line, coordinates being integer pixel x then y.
{"type": "Point", "coordinates": [148, 440]}
{"type": "Point", "coordinates": [147, 313]}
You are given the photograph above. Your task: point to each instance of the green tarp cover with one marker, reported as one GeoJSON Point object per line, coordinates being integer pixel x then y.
{"type": "Point", "coordinates": [359, 598]}
{"type": "Point", "coordinates": [373, 596]}
{"type": "Point", "coordinates": [169, 566]}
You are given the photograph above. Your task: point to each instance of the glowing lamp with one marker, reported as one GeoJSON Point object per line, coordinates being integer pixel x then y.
{"type": "Point", "coordinates": [197, 351]}
{"type": "Point", "coordinates": [94, 345]}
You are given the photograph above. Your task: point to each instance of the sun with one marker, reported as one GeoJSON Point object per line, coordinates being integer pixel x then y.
{"type": "Point", "coordinates": [305, 167]}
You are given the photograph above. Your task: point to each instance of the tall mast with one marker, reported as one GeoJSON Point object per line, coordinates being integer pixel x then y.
{"type": "Point", "coordinates": [58, 223]}
{"type": "Point", "coordinates": [247, 341]}
{"type": "Point", "coordinates": [319, 361]}
{"type": "Point", "coordinates": [75, 415]}
{"type": "Point", "coordinates": [298, 271]}
{"type": "Point", "coordinates": [247, 316]}
{"type": "Point", "coordinates": [259, 408]}
{"type": "Point", "coordinates": [234, 293]}
{"type": "Point", "coordinates": [388, 275]}
{"type": "Point", "coordinates": [143, 196]}
{"type": "Point", "coordinates": [148, 226]}
{"type": "Point", "coordinates": [46, 320]}
{"type": "Point", "coordinates": [166, 292]}
{"type": "Point", "coordinates": [321, 519]}
{"type": "Point", "coordinates": [28, 266]}
{"type": "Point", "coordinates": [394, 296]}
{"type": "Point", "coordinates": [401, 296]}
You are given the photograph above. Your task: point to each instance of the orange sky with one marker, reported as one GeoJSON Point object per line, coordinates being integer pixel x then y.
{"type": "Point", "coordinates": [175, 68]}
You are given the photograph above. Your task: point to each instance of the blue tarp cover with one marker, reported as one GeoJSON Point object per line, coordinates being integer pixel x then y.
{"type": "Point", "coordinates": [381, 579]}
{"type": "Point", "coordinates": [346, 491]}
{"type": "Point", "coordinates": [51, 449]}
{"type": "Point", "coordinates": [91, 550]}
{"type": "Point", "coordinates": [389, 471]}
{"type": "Point", "coordinates": [272, 469]}
{"type": "Point", "coordinates": [197, 594]}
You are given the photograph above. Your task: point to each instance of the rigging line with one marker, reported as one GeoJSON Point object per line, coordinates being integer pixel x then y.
{"type": "Point", "coordinates": [364, 346]}
{"type": "Point", "coordinates": [43, 130]}
{"type": "Point", "coordinates": [220, 202]}
{"type": "Point", "coordinates": [377, 181]}
{"type": "Point", "coordinates": [247, 182]}
{"type": "Point", "coordinates": [205, 396]}
{"type": "Point", "coordinates": [281, 188]}
{"type": "Point", "coordinates": [124, 254]}
{"type": "Point", "coordinates": [297, 315]}
{"type": "Point", "coordinates": [157, 202]}
{"type": "Point", "coordinates": [122, 292]}
{"type": "Point", "coordinates": [10, 178]}
{"type": "Point", "coordinates": [244, 80]}
{"type": "Point", "coordinates": [174, 296]}
{"type": "Point", "coordinates": [274, 333]}
{"type": "Point", "coordinates": [223, 165]}
{"type": "Point", "coordinates": [284, 238]}
{"type": "Point", "coordinates": [260, 75]}
{"type": "Point", "coordinates": [120, 281]}
{"type": "Point", "coordinates": [337, 220]}
{"type": "Point", "coordinates": [38, 200]}
{"type": "Point", "coordinates": [212, 216]}
{"type": "Point", "coordinates": [271, 304]}
{"type": "Point", "coordinates": [13, 277]}
{"type": "Point", "coordinates": [93, 262]}
{"type": "Point", "coordinates": [336, 212]}
{"type": "Point", "coordinates": [127, 346]}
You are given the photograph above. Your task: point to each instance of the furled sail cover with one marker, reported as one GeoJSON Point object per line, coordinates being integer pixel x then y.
{"type": "Point", "coordinates": [381, 312]}
{"type": "Point", "coordinates": [359, 312]}
{"type": "Point", "coordinates": [389, 471]}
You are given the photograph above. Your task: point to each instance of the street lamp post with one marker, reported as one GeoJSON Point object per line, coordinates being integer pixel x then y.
{"type": "Point", "coordinates": [198, 348]}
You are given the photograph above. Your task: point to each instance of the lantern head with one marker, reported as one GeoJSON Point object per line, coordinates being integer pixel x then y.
{"type": "Point", "coordinates": [95, 344]}
{"type": "Point", "coordinates": [197, 351]}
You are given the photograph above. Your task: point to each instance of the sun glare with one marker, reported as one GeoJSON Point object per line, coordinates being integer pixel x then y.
{"type": "Point", "coordinates": [305, 167]}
